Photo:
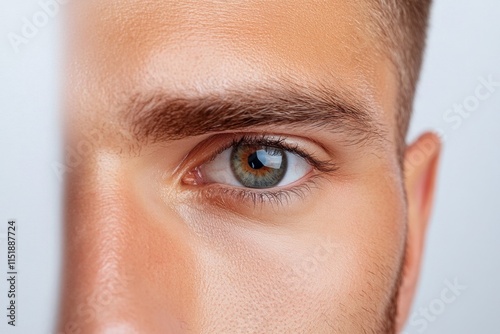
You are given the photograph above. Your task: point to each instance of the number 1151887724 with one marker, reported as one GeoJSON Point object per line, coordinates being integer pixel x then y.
{"type": "Point", "coordinates": [11, 245]}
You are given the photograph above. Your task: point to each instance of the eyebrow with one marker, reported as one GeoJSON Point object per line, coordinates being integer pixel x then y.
{"type": "Point", "coordinates": [160, 116]}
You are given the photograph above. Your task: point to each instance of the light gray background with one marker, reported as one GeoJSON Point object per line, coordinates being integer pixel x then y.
{"type": "Point", "coordinates": [463, 46]}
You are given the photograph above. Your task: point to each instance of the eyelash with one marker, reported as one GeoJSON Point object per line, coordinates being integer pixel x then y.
{"type": "Point", "coordinates": [276, 197]}
{"type": "Point", "coordinates": [279, 196]}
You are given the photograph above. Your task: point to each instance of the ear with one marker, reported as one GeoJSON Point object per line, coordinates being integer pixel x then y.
{"type": "Point", "coordinates": [421, 162]}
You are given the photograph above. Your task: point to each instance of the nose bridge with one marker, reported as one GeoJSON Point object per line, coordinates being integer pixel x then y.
{"type": "Point", "coordinates": [122, 267]}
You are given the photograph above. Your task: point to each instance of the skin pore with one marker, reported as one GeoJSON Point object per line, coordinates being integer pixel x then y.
{"type": "Point", "coordinates": [160, 239]}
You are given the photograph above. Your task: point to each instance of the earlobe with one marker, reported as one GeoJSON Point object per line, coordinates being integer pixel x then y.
{"type": "Point", "coordinates": [421, 165]}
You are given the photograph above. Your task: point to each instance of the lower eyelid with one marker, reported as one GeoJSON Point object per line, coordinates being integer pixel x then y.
{"type": "Point", "coordinates": [227, 197]}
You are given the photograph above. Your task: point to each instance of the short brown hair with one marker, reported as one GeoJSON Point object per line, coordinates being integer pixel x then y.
{"type": "Point", "coordinates": [402, 24]}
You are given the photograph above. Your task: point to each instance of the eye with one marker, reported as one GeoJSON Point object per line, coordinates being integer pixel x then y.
{"type": "Point", "coordinates": [254, 166]}
{"type": "Point", "coordinates": [258, 168]}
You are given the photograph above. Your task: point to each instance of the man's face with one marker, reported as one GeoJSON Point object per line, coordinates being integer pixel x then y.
{"type": "Point", "coordinates": [235, 170]}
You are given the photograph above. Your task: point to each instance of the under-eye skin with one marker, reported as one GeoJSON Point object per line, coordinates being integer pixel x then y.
{"type": "Point", "coordinates": [260, 169]}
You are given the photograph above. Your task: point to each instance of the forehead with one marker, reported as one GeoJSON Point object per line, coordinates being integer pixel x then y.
{"type": "Point", "coordinates": [119, 48]}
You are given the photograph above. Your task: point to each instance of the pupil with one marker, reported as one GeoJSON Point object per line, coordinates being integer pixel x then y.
{"type": "Point", "coordinates": [258, 166]}
{"type": "Point", "coordinates": [254, 162]}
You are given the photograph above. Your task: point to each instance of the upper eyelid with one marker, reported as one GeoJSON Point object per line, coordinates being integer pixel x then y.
{"type": "Point", "coordinates": [276, 140]}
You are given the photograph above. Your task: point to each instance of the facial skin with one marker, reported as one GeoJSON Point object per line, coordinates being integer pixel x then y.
{"type": "Point", "coordinates": [159, 238]}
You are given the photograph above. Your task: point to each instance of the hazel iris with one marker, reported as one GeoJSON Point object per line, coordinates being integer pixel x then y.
{"type": "Point", "coordinates": [256, 166]}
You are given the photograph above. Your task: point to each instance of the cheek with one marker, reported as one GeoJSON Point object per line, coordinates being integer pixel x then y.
{"type": "Point", "coordinates": [268, 283]}
{"type": "Point", "coordinates": [333, 265]}
{"type": "Point", "coordinates": [368, 222]}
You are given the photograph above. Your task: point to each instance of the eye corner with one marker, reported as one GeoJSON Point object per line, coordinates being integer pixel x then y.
{"type": "Point", "coordinates": [192, 177]}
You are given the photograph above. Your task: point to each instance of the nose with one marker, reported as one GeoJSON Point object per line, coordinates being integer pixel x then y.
{"type": "Point", "coordinates": [125, 269]}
